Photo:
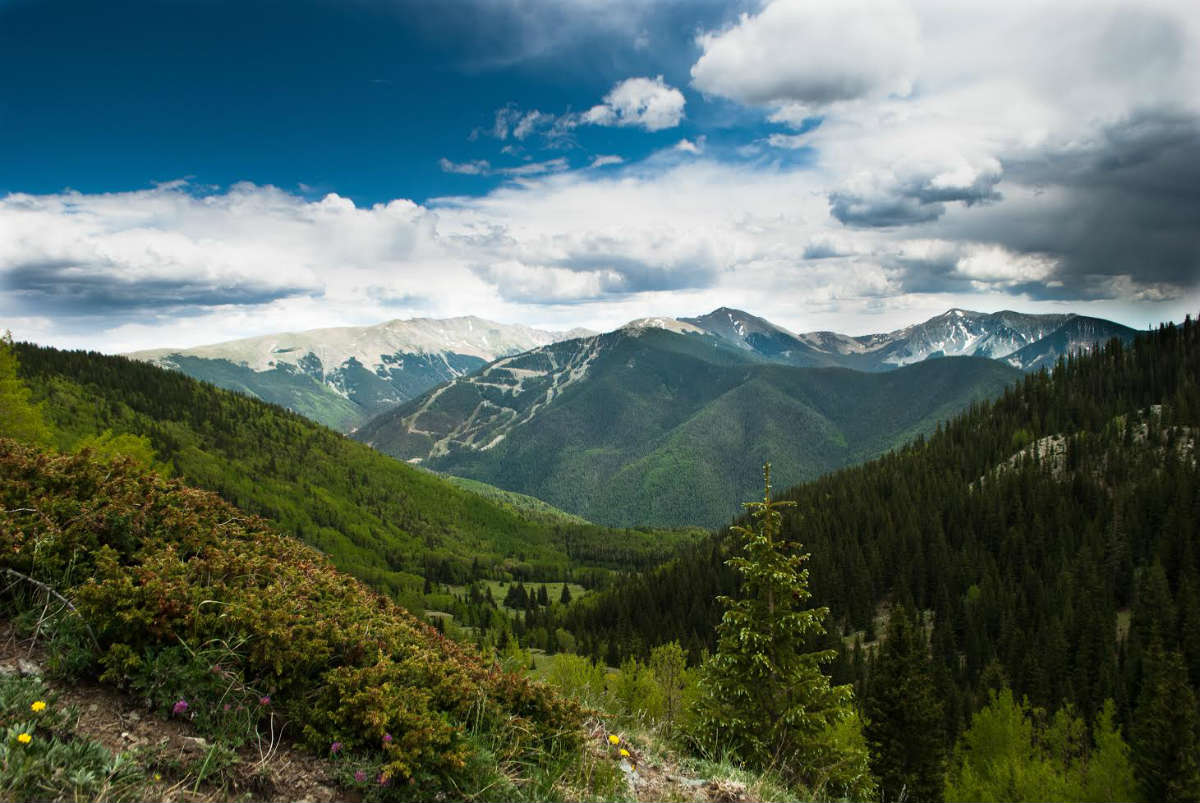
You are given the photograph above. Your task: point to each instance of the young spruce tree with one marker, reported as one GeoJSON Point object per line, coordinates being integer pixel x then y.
{"type": "Point", "coordinates": [765, 700]}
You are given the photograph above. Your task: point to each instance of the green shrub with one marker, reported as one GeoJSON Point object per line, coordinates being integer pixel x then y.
{"type": "Point", "coordinates": [176, 583]}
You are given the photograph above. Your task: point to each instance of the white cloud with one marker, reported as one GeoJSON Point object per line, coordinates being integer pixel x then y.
{"type": "Point", "coordinates": [482, 167]}
{"type": "Point", "coordinates": [811, 53]}
{"type": "Point", "coordinates": [647, 103]}
{"type": "Point", "coordinates": [478, 167]}
{"type": "Point", "coordinates": [605, 160]}
{"type": "Point", "coordinates": [688, 146]}
{"type": "Point", "coordinates": [967, 191]}
{"type": "Point", "coordinates": [536, 168]}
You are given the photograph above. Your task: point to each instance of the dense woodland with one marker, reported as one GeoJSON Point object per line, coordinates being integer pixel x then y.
{"type": "Point", "coordinates": [1057, 574]}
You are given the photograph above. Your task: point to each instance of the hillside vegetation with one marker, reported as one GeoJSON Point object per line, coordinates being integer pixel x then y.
{"type": "Point", "coordinates": [379, 519]}
{"type": "Point", "coordinates": [209, 614]}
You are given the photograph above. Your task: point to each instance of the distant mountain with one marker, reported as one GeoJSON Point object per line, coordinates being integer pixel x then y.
{"type": "Point", "coordinates": [1080, 333]}
{"type": "Point", "coordinates": [342, 376]}
{"type": "Point", "coordinates": [663, 422]}
{"type": "Point", "coordinates": [764, 338]}
{"type": "Point", "coordinates": [955, 333]}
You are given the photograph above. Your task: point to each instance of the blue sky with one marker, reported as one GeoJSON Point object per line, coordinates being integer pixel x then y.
{"type": "Point", "coordinates": [363, 99]}
{"type": "Point", "coordinates": [185, 171]}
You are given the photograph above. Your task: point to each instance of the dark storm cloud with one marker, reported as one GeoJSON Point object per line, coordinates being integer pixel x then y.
{"type": "Point", "coordinates": [909, 202]}
{"type": "Point", "coordinates": [65, 288]}
{"type": "Point", "coordinates": [1127, 206]}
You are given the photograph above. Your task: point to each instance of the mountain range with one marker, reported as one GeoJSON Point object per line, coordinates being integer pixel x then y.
{"type": "Point", "coordinates": [661, 422]}
{"type": "Point", "coordinates": [342, 376]}
{"type": "Point", "coordinates": [1027, 342]}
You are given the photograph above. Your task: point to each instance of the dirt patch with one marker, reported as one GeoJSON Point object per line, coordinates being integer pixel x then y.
{"type": "Point", "coordinates": [179, 761]}
{"type": "Point", "coordinates": [660, 776]}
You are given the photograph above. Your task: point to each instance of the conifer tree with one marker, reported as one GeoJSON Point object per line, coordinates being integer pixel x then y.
{"type": "Point", "coordinates": [904, 717]}
{"type": "Point", "coordinates": [765, 700]}
{"type": "Point", "coordinates": [1166, 734]}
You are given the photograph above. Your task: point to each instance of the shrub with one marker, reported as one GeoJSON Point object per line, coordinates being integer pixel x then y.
{"type": "Point", "coordinates": [174, 581]}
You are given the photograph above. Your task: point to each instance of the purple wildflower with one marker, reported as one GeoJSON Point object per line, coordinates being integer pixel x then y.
{"type": "Point", "coordinates": [264, 700]}
{"type": "Point", "coordinates": [179, 707]}
{"type": "Point", "coordinates": [335, 748]}
{"type": "Point", "coordinates": [359, 776]}
{"type": "Point", "coordinates": [387, 738]}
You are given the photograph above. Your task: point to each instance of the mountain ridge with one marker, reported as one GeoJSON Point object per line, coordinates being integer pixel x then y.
{"type": "Point", "coordinates": [341, 376]}
{"type": "Point", "coordinates": [606, 427]}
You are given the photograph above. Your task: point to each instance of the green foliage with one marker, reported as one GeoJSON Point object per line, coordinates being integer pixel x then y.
{"type": "Point", "coordinates": [43, 759]}
{"type": "Point", "coordinates": [170, 579]}
{"type": "Point", "coordinates": [765, 699]}
{"type": "Point", "coordinates": [1166, 732]}
{"type": "Point", "coordinates": [668, 667]}
{"type": "Point", "coordinates": [634, 692]}
{"type": "Point", "coordinates": [108, 446]}
{"type": "Point", "coordinates": [1011, 752]}
{"type": "Point", "coordinates": [20, 418]}
{"type": "Point", "coordinates": [904, 715]}
{"type": "Point", "coordinates": [578, 678]}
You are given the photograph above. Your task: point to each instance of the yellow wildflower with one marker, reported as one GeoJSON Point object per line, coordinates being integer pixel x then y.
{"type": "Point", "coordinates": [624, 752]}
{"type": "Point", "coordinates": [614, 739]}
{"type": "Point", "coordinates": [24, 738]}
{"type": "Point", "coordinates": [38, 706]}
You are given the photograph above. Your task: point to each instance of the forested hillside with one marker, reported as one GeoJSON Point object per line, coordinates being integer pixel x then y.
{"type": "Point", "coordinates": [384, 521]}
{"type": "Point", "coordinates": [645, 425]}
{"type": "Point", "coordinates": [1049, 536]}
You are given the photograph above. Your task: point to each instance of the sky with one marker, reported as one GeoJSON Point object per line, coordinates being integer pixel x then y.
{"type": "Point", "coordinates": [181, 172]}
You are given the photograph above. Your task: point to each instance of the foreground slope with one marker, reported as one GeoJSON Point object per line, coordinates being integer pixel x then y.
{"type": "Point", "coordinates": [213, 616]}
{"type": "Point", "coordinates": [341, 376]}
{"type": "Point", "coordinates": [649, 425]}
{"type": "Point", "coordinates": [379, 519]}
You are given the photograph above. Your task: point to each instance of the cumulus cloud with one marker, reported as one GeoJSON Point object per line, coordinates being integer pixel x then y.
{"type": "Point", "coordinates": [811, 53]}
{"type": "Point", "coordinates": [647, 103]}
